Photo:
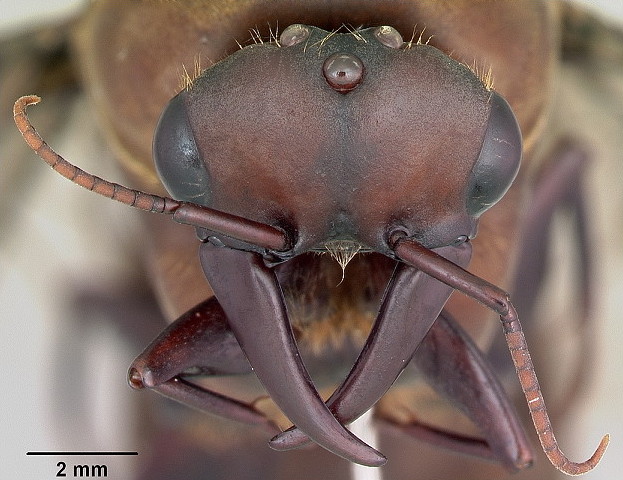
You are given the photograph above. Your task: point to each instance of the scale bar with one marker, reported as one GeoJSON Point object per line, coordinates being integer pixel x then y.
{"type": "Point", "coordinates": [51, 453]}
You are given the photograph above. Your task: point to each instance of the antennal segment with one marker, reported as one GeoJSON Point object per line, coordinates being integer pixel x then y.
{"type": "Point", "coordinates": [114, 191]}
{"type": "Point", "coordinates": [416, 255]}
{"type": "Point", "coordinates": [240, 228]}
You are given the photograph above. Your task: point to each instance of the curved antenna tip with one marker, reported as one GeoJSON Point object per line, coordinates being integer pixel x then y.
{"type": "Point", "coordinates": [27, 100]}
{"type": "Point", "coordinates": [574, 469]}
{"type": "Point", "coordinates": [588, 465]}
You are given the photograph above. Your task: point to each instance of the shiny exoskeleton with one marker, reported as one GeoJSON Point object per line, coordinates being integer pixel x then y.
{"type": "Point", "coordinates": [381, 152]}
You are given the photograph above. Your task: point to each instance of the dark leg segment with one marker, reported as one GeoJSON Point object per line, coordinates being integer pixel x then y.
{"type": "Point", "coordinates": [456, 368]}
{"type": "Point", "coordinates": [198, 343]}
{"type": "Point", "coordinates": [560, 187]}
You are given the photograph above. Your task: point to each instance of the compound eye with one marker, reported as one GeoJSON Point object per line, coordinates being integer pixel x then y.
{"type": "Point", "coordinates": [177, 159]}
{"type": "Point", "coordinates": [498, 163]}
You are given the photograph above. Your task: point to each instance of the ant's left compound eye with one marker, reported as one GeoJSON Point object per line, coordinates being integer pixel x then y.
{"type": "Point", "coordinates": [176, 156]}
{"type": "Point", "coordinates": [498, 163]}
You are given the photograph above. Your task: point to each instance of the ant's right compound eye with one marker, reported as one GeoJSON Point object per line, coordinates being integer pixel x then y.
{"type": "Point", "coordinates": [178, 162]}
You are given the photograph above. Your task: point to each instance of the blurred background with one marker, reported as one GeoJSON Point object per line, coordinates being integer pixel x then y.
{"type": "Point", "coordinates": [50, 230]}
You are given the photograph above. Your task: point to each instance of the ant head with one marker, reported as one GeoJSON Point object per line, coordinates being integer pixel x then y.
{"type": "Point", "coordinates": [341, 136]}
